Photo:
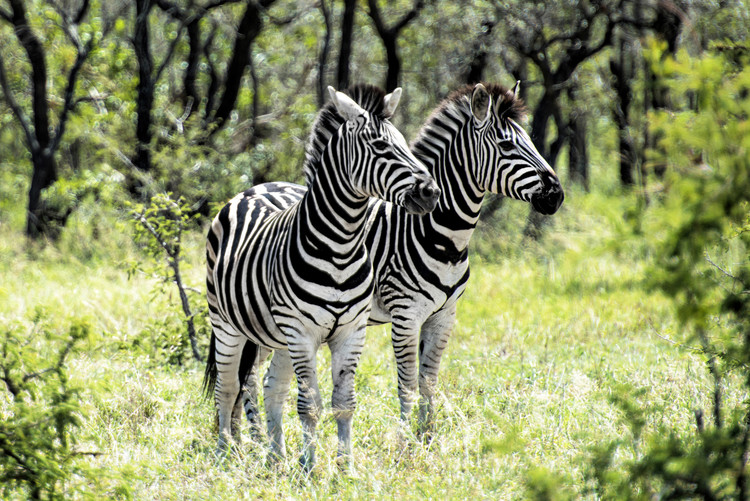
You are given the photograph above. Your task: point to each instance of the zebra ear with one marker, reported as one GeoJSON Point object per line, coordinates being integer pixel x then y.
{"type": "Point", "coordinates": [391, 102]}
{"type": "Point", "coordinates": [480, 104]}
{"type": "Point", "coordinates": [516, 89]}
{"type": "Point", "coordinates": [346, 107]}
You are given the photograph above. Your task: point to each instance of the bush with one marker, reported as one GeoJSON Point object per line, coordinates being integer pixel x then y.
{"type": "Point", "coordinates": [41, 414]}
{"type": "Point", "coordinates": [700, 235]}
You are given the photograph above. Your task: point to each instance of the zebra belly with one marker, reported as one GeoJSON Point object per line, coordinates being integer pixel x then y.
{"type": "Point", "coordinates": [379, 314]}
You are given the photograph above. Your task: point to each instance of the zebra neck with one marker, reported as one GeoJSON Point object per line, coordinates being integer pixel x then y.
{"type": "Point", "coordinates": [453, 221]}
{"type": "Point", "coordinates": [331, 218]}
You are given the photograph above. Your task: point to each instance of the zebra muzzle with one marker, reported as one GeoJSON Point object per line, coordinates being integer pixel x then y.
{"type": "Point", "coordinates": [549, 200]}
{"type": "Point", "coordinates": [423, 197]}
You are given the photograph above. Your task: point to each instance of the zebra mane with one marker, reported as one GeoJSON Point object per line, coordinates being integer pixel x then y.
{"type": "Point", "coordinates": [504, 104]}
{"type": "Point", "coordinates": [328, 121]}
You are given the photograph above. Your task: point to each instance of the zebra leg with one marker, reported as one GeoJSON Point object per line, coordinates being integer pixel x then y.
{"type": "Point", "coordinates": [302, 351]}
{"type": "Point", "coordinates": [228, 350]}
{"type": "Point", "coordinates": [404, 339]}
{"type": "Point", "coordinates": [275, 393]}
{"type": "Point", "coordinates": [435, 334]}
{"type": "Point", "coordinates": [250, 395]}
{"type": "Point", "coordinates": [345, 354]}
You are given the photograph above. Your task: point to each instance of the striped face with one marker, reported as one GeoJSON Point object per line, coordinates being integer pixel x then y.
{"type": "Point", "coordinates": [508, 163]}
{"type": "Point", "coordinates": [381, 165]}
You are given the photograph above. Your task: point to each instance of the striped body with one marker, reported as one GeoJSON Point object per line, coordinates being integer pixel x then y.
{"type": "Point", "coordinates": [288, 270]}
{"type": "Point", "coordinates": [471, 144]}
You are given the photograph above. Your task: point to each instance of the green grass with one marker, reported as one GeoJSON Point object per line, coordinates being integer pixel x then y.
{"type": "Point", "coordinates": [546, 335]}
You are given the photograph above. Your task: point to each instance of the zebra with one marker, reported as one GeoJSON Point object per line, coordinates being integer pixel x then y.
{"type": "Point", "coordinates": [290, 272]}
{"type": "Point", "coordinates": [472, 144]}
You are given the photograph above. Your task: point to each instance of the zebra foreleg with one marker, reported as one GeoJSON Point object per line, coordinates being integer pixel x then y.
{"type": "Point", "coordinates": [309, 403]}
{"type": "Point", "coordinates": [404, 339]}
{"type": "Point", "coordinates": [275, 393]}
{"type": "Point", "coordinates": [434, 338]}
{"type": "Point", "coordinates": [345, 354]}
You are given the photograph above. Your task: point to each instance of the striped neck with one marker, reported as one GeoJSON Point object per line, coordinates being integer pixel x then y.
{"type": "Point", "coordinates": [330, 219]}
{"type": "Point", "coordinates": [445, 145]}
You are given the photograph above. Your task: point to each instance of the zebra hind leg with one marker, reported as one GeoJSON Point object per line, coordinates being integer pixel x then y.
{"type": "Point", "coordinates": [248, 376]}
{"type": "Point", "coordinates": [227, 352]}
{"type": "Point", "coordinates": [275, 393]}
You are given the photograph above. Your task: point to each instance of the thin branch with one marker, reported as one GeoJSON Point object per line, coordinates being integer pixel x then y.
{"type": "Point", "coordinates": [680, 345]}
{"type": "Point", "coordinates": [708, 258]}
{"type": "Point", "coordinates": [141, 219]}
{"type": "Point", "coordinates": [170, 52]}
{"type": "Point", "coordinates": [408, 17]}
{"type": "Point", "coordinates": [69, 103]}
{"type": "Point", "coordinates": [714, 370]}
{"type": "Point", "coordinates": [56, 367]}
{"type": "Point", "coordinates": [15, 108]}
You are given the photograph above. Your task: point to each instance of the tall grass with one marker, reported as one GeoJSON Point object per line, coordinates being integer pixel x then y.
{"type": "Point", "coordinates": [548, 335]}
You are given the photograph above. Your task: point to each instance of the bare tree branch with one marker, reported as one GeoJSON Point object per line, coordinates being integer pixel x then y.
{"type": "Point", "coordinates": [15, 108]}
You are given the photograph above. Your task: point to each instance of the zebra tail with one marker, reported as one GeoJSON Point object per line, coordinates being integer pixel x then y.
{"type": "Point", "coordinates": [209, 378]}
{"type": "Point", "coordinates": [247, 361]}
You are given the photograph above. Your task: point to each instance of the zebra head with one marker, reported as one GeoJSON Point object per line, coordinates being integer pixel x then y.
{"type": "Point", "coordinates": [381, 164]}
{"type": "Point", "coordinates": [507, 162]}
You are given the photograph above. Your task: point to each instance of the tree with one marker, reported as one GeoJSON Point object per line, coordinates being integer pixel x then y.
{"type": "Point", "coordinates": [42, 135]}
{"type": "Point", "coordinates": [389, 36]}
{"type": "Point", "coordinates": [622, 65]}
{"type": "Point", "coordinates": [700, 234]}
{"type": "Point", "coordinates": [345, 50]}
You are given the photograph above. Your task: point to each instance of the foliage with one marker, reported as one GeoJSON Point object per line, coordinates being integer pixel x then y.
{"type": "Point", "coordinates": [159, 229]}
{"type": "Point", "coordinates": [701, 240]}
{"type": "Point", "coordinates": [42, 412]}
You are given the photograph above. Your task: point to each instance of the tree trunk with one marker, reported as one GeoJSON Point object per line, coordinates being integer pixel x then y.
{"type": "Point", "coordinates": [43, 176]}
{"type": "Point", "coordinates": [543, 111]}
{"type": "Point", "coordinates": [145, 99]}
{"type": "Point", "coordinates": [667, 26]}
{"type": "Point", "coordinates": [345, 52]}
{"type": "Point", "coordinates": [389, 37]}
{"type": "Point", "coordinates": [394, 63]}
{"type": "Point", "coordinates": [623, 71]}
{"type": "Point", "coordinates": [191, 97]}
{"type": "Point", "coordinates": [323, 57]}
{"type": "Point", "coordinates": [475, 72]}
{"type": "Point", "coordinates": [44, 168]}
{"type": "Point", "coordinates": [578, 159]}
{"type": "Point", "coordinates": [247, 31]}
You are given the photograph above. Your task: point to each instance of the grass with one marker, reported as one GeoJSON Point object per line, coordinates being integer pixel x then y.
{"type": "Point", "coordinates": [547, 334]}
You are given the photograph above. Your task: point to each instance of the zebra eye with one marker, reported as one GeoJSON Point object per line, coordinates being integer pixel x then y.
{"type": "Point", "coordinates": [505, 144]}
{"type": "Point", "coordinates": [380, 144]}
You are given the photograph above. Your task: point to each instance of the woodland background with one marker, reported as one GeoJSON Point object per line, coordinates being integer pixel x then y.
{"type": "Point", "coordinates": [601, 352]}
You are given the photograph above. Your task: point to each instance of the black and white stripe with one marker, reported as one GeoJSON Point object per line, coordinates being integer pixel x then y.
{"type": "Point", "coordinates": [288, 270]}
{"type": "Point", "coordinates": [471, 144]}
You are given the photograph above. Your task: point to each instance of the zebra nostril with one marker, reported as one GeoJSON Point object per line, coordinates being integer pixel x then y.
{"type": "Point", "coordinates": [429, 191]}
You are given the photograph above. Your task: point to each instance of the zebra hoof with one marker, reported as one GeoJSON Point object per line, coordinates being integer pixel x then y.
{"type": "Point", "coordinates": [307, 462]}
{"type": "Point", "coordinates": [344, 463]}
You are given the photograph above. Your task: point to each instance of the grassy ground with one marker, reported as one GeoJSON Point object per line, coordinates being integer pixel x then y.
{"type": "Point", "coordinates": [547, 335]}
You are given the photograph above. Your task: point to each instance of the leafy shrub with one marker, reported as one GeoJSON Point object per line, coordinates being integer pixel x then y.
{"type": "Point", "coordinates": [700, 234]}
{"type": "Point", "coordinates": [159, 229]}
{"type": "Point", "coordinates": [41, 414]}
